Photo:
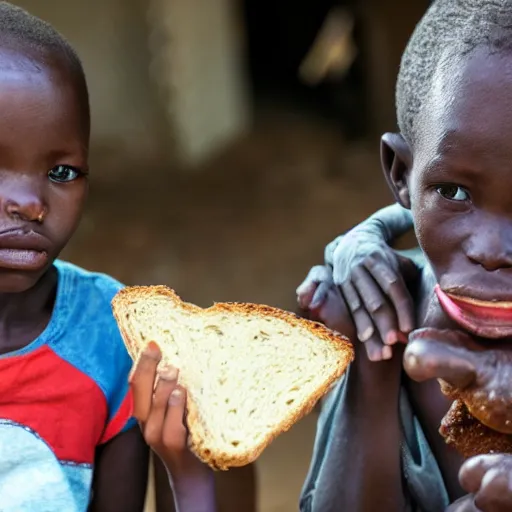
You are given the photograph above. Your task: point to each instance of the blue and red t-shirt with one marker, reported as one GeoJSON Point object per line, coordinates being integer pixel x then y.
{"type": "Point", "coordinates": [61, 397]}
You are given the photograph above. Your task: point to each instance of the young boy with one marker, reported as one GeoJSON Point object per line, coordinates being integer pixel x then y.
{"type": "Point", "coordinates": [449, 166]}
{"type": "Point", "coordinates": [67, 440]}
{"type": "Point", "coordinates": [377, 444]}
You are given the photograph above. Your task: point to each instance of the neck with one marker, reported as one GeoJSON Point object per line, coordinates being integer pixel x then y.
{"type": "Point", "coordinates": [27, 307]}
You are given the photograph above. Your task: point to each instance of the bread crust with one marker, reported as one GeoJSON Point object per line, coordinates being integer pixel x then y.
{"type": "Point", "coordinates": [222, 460]}
{"type": "Point", "coordinates": [469, 436]}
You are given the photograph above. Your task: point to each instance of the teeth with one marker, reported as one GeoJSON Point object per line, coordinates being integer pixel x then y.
{"type": "Point", "coordinates": [482, 303]}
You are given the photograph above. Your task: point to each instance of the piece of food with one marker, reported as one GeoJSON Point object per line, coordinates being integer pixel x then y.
{"type": "Point", "coordinates": [487, 399]}
{"type": "Point", "coordinates": [476, 377]}
{"type": "Point", "coordinates": [250, 371]}
{"type": "Point", "coordinates": [470, 437]}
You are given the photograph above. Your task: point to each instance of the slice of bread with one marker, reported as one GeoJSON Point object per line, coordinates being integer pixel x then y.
{"type": "Point", "coordinates": [250, 371]}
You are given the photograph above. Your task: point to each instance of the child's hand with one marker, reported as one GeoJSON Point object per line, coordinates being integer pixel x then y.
{"type": "Point", "coordinates": [320, 300]}
{"type": "Point", "coordinates": [489, 480]}
{"type": "Point", "coordinates": [369, 275]}
{"type": "Point", "coordinates": [481, 378]}
{"type": "Point", "coordinates": [160, 411]}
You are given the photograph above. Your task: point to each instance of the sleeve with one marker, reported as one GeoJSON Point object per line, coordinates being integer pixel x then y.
{"type": "Point", "coordinates": [319, 484]}
{"type": "Point", "coordinates": [120, 399]}
{"type": "Point", "coordinates": [117, 364]}
{"type": "Point", "coordinates": [121, 420]}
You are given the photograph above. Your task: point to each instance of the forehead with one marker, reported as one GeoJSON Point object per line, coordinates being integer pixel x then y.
{"type": "Point", "coordinates": [469, 108]}
{"type": "Point", "coordinates": [38, 101]}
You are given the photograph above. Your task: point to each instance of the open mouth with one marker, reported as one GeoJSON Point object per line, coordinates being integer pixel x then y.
{"type": "Point", "coordinates": [489, 319]}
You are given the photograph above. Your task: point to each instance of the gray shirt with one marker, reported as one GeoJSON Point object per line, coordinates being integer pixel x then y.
{"type": "Point", "coordinates": [423, 483]}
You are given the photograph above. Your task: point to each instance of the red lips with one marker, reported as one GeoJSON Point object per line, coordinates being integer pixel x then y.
{"type": "Point", "coordinates": [485, 319]}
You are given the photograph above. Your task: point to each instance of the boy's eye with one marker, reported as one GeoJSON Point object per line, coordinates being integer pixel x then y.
{"type": "Point", "coordinates": [452, 192]}
{"type": "Point", "coordinates": [63, 173]}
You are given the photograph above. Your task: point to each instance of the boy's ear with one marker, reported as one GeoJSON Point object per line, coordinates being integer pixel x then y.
{"type": "Point", "coordinates": [396, 161]}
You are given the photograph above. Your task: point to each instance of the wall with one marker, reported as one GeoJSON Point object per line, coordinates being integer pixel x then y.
{"type": "Point", "coordinates": [199, 61]}
{"type": "Point", "coordinates": [196, 60]}
{"type": "Point", "coordinates": [388, 26]}
{"type": "Point", "coordinates": [111, 38]}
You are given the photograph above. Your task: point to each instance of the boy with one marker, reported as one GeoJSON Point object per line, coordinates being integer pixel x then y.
{"type": "Point", "coordinates": [377, 444]}
{"type": "Point", "coordinates": [449, 166]}
{"type": "Point", "coordinates": [68, 442]}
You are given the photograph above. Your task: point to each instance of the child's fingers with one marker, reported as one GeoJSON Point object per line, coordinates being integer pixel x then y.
{"type": "Point", "coordinates": [364, 325]}
{"type": "Point", "coordinates": [495, 493]}
{"type": "Point", "coordinates": [142, 381]}
{"type": "Point", "coordinates": [464, 504]}
{"type": "Point", "coordinates": [427, 359]}
{"type": "Point", "coordinates": [305, 293]}
{"type": "Point", "coordinates": [306, 290]}
{"type": "Point", "coordinates": [394, 286]}
{"type": "Point", "coordinates": [376, 306]}
{"type": "Point", "coordinates": [376, 351]}
{"type": "Point", "coordinates": [320, 295]}
{"type": "Point", "coordinates": [174, 436]}
{"type": "Point", "coordinates": [473, 471]}
{"type": "Point", "coordinates": [153, 428]}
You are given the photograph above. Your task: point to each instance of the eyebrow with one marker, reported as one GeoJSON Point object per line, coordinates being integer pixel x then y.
{"type": "Point", "coordinates": [446, 166]}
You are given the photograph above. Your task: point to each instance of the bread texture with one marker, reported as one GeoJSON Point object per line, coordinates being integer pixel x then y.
{"type": "Point", "coordinates": [250, 371]}
{"type": "Point", "coordinates": [469, 436]}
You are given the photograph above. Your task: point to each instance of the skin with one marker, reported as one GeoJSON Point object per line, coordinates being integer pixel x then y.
{"type": "Point", "coordinates": [372, 280]}
{"type": "Point", "coordinates": [456, 187]}
{"type": "Point", "coordinates": [487, 480]}
{"type": "Point", "coordinates": [44, 139]}
{"type": "Point", "coordinates": [159, 406]}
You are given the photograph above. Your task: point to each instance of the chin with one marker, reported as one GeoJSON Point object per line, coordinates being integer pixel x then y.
{"type": "Point", "coordinates": [18, 281]}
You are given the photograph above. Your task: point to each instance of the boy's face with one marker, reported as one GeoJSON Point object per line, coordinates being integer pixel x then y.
{"type": "Point", "coordinates": [458, 181]}
{"type": "Point", "coordinates": [43, 158]}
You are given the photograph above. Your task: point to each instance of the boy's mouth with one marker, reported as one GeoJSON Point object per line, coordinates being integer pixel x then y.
{"type": "Point", "coordinates": [488, 319]}
{"type": "Point", "coordinates": [23, 251]}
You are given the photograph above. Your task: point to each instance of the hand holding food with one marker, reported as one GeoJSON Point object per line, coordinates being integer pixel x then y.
{"type": "Point", "coordinates": [250, 371]}
{"type": "Point", "coordinates": [476, 378]}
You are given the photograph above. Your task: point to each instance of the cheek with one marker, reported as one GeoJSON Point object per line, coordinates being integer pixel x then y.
{"type": "Point", "coordinates": [66, 207]}
{"type": "Point", "coordinates": [438, 231]}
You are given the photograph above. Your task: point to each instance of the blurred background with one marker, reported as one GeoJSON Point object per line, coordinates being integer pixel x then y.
{"type": "Point", "coordinates": [231, 141]}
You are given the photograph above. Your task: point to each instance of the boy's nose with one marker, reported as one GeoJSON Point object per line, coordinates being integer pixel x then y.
{"type": "Point", "coordinates": [25, 207]}
{"type": "Point", "coordinates": [491, 249]}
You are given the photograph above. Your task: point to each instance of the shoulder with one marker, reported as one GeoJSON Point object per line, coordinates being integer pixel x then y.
{"type": "Point", "coordinates": [84, 299]}
{"type": "Point", "coordinates": [90, 338]}
{"type": "Point", "coordinates": [99, 286]}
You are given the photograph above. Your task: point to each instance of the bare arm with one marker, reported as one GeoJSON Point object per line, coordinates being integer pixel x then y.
{"type": "Point", "coordinates": [388, 223]}
{"type": "Point", "coordinates": [372, 477]}
{"type": "Point", "coordinates": [121, 474]}
{"type": "Point", "coordinates": [360, 464]}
